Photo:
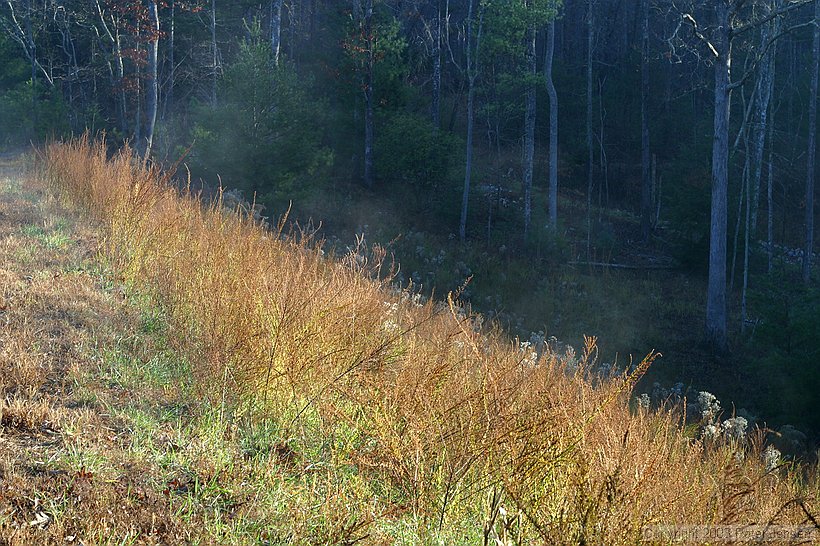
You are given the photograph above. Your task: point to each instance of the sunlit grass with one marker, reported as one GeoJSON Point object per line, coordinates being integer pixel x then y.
{"type": "Point", "coordinates": [343, 409]}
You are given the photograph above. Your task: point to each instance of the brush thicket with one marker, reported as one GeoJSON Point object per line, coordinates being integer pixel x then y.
{"type": "Point", "coordinates": [455, 420]}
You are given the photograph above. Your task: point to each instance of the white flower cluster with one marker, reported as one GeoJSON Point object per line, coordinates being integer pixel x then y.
{"type": "Point", "coordinates": [389, 320]}
{"type": "Point", "coordinates": [643, 401]}
{"type": "Point", "coordinates": [709, 432]}
{"type": "Point", "coordinates": [771, 457]}
{"type": "Point", "coordinates": [530, 356]}
{"type": "Point", "coordinates": [709, 406]}
{"type": "Point", "coordinates": [735, 428]}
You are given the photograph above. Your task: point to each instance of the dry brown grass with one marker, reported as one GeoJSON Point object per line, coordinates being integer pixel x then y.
{"type": "Point", "coordinates": [392, 411]}
{"type": "Point", "coordinates": [50, 310]}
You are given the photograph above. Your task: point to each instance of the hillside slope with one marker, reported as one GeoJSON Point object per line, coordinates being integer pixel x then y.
{"type": "Point", "coordinates": [174, 374]}
{"type": "Point", "coordinates": [68, 473]}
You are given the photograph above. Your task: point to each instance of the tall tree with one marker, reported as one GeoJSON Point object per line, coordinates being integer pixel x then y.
{"type": "Point", "coordinates": [716, 319]}
{"type": "Point", "coordinates": [435, 103]}
{"type": "Point", "coordinates": [529, 120]}
{"type": "Point", "coordinates": [214, 54]}
{"type": "Point", "coordinates": [763, 93]}
{"type": "Point", "coordinates": [152, 99]}
{"type": "Point", "coordinates": [646, 178]}
{"type": "Point", "coordinates": [32, 47]}
{"type": "Point", "coordinates": [727, 27]}
{"type": "Point", "coordinates": [109, 29]}
{"type": "Point", "coordinates": [369, 129]}
{"type": "Point", "coordinates": [770, 196]}
{"type": "Point", "coordinates": [471, 47]}
{"type": "Point", "coordinates": [23, 34]}
{"type": "Point", "coordinates": [553, 96]}
{"type": "Point", "coordinates": [275, 30]}
{"type": "Point", "coordinates": [169, 91]}
{"type": "Point", "coordinates": [812, 151]}
{"type": "Point", "coordinates": [590, 24]}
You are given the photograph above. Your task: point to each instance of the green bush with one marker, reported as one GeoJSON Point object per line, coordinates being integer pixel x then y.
{"type": "Point", "coordinates": [21, 123]}
{"type": "Point", "coordinates": [264, 135]}
{"type": "Point", "coordinates": [784, 345]}
{"type": "Point", "coordinates": [411, 151]}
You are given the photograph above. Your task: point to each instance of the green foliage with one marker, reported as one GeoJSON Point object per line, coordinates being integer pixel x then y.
{"type": "Point", "coordinates": [390, 63]}
{"type": "Point", "coordinates": [790, 322]}
{"type": "Point", "coordinates": [24, 119]}
{"type": "Point", "coordinates": [507, 22]}
{"type": "Point", "coordinates": [390, 70]}
{"type": "Point", "coordinates": [265, 133]}
{"type": "Point", "coordinates": [411, 151]}
{"type": "Point", "coordinates": [785, 345]}
{"type": "Point", "coordinates": [13, 68]}
{"type": "Point", "coordinates": [686, 206]}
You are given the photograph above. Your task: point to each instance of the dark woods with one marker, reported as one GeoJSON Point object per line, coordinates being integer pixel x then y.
{"type": "Point", "coordinates": [609, 134]}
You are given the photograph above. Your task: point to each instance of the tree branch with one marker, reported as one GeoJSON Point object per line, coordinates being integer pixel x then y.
{"type": "Point", "coordinates": [761, 54]}
{"type": "Point", "coordinates": [691, 20]}
{"type": "Point", "coordinates": [776, 13]}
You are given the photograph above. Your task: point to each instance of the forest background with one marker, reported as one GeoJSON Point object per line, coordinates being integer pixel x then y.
{"type": "Point", "coordinates": [638, 171]}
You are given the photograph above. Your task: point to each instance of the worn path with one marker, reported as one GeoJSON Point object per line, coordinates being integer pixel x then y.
{"type": "Point", "coordinates": [68, 470]}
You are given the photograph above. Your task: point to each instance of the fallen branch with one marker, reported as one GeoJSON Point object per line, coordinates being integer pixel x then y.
{"type": "Point", "coordinates": [623, 266]}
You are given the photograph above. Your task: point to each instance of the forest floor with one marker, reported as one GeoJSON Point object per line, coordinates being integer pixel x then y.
{"type": "Point", "coordinates": [633, 297]}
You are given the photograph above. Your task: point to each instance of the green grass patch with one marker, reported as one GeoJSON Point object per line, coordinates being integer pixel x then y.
{"type": "Point", "coordinates": [54, 237]}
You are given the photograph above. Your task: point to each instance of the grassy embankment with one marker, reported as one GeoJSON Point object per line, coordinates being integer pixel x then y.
{"type": "Point", "coordinates": [268, 394]}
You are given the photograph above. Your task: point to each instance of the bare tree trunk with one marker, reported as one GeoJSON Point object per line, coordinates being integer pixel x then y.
{"type": "Point", "coordinates": [742, 136]}
{"type": "Point", "coordinates": [744, 290]}
{"type": "Point", "coordinates": [603, 184]}
{"type": "Point", "coordinates": [293, 20]}
{"type": "Point", "coordinates": [769, 194]}
{"type": "Point", "coordinates": [529, 131]}
{"type": "Point", "coordinates": [657, 191]}
{"type": "Point", "coordinates": [369, 174]}
{"type": "Point", "coordinates": [741, 200]}
{"type": "Point", "coordinates": [275, 30]}
{"type": "Point", "coordinates": [73, 70]}
{"type": "Point", "coordinates": [32, 47]}
{"type": "Point", "coordinates": [123, 103]}
{"type": "Point", "coordinates": [590, 155]}
{"type": "Point", "coordinates": [215, 53]}
{"type": "Point", "coordinates": [472, 74]}
{"type": "Point", "coordinates": [716, 322]}
{"type": "Point", "coordinates": [117, 79]}
{"type": "Point", "coordinates": [553, 96]}
{"type": "Point", "coordinates": [138, 96]}
{"type": "Point", "coordinates": [169, 93]}
{"type": "Point", "coordinates": [24, 35]}
{"type": "Point", "coordinates": [153, 86]}
{"type": "Point", "coordinates": [646, 180]}
{"type": "Point", "coordinates": [747, 182]}
{"type": "Point", "coordinates": [764, 93]}
{"type": "Point", "coordinates": [435, 107]}
{"type": "Point", "coordinates": [812, 151]}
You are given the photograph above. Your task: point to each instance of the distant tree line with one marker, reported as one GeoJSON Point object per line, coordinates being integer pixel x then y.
{"type": "Point", "coordinates": [698, 116]}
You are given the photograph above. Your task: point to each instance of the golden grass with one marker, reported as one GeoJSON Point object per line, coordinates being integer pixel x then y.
{"type": "Point", "coordinates": [415, 412]}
